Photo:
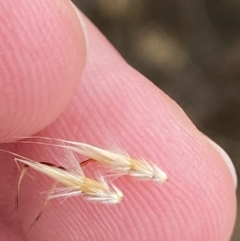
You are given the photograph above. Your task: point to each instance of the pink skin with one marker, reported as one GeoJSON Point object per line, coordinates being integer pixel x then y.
{"type": "Point", "coordinates": [112, 101]}
{"type": "Point", "coordinates": [43, 54]}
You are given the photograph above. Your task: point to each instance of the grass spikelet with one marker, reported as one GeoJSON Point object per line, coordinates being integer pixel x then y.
{"type": "Point", "coordinates": [120, 163]}
{"type": "Point", "coordinates": [74, 181]}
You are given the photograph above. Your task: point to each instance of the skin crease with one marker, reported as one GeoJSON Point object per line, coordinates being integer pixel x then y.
{"type": "Point", "coordinates": [115, 103]}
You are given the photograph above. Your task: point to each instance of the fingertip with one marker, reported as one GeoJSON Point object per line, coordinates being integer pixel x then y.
{"type": "Point", "coordinates": [43, 54]}
{"type": "Point", "coordinates": [149, 124]}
